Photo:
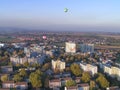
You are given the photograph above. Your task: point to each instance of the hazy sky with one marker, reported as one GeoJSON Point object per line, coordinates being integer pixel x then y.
{"type": "Point", "coordinates": [89, 15]}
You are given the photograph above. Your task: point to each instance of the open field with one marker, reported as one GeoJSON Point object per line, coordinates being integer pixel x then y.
{"type": "Point", "coordinates": [113, 36]}
{"type": "Point", "coordinates": [107, 47]}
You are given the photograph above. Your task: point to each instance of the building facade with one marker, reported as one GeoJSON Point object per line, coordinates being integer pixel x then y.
{"type": "Point", "coordinates": [87, 48]}
{"type": "Point", "coordinates": [112, 71]}
{"type": "Point", "coordinates": [58, 65]}
{"type": "Point", "coordinates": [70, 47]}
{"type": "Point", "coordinates": [89, 68]}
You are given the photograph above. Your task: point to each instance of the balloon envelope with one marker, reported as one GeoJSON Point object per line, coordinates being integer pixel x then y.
{"type": "Point", "coordinates": [65, 10]}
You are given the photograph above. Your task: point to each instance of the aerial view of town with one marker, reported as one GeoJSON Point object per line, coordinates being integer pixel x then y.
{"type": "Point", "coordinates": [59, 45]}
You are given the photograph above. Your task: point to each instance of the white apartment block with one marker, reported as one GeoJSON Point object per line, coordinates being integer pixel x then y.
{"type": "Point", "coordinates": [112, 71]}
{"type": "Point", "coordinates": [18, 60]}
{"type": "Point", "coordinates": [58, 64]}
{"type": "Point", "coordinates": [70, 47]}
{"type": "Point", "coordinates": [89, 68]}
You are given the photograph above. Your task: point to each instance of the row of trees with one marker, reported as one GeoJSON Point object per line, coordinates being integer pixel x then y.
{"type": "Point", "coordinates": [99, 78]}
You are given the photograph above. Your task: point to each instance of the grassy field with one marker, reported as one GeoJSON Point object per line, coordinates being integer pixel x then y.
{"type": "Point", "coordinates": [113, 36]}
{"type": "Point", "coordinates": [107, 47]}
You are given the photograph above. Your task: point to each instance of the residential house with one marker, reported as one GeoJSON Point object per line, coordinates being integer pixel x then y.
{"type": "Point", "coordinates": [83, 86]}
{"type": "Point", "coordinates": [17, 60]}
{"type": "Point", "coordinates": [21, 85]}
{"type": "Point", "coordinates": [77, 79]}
{"type": "Point", "coordinates": [64, 80]}
{"type": "Point", "coordinates": [4, 88]}
{"type": "Point", "coordinates": [71, 88]}
{"type": "Point", "coordinates": [66, 74]}
{"type": "Point", "coordinates": [8, 84]}
{"type": "Point", "coordinates": [6, 69]}
{"type": "Point", "coordinates": [113, 88]}
{"type": "Point", "coordinates": [54, 83]}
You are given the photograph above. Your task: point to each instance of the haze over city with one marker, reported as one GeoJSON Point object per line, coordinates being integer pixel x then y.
{"type": "Point", "coordinates": [59, 45]}
{"type": "Point", "coordinates": [82, 15]}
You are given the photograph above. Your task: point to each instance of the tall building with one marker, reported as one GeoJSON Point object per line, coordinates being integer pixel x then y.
{"type": "Point", "coordinates": [58, 64]}
{"type": "Point", "coordinates": [70, 47]}
{"type": "Point", "coordinates": [87, 48]}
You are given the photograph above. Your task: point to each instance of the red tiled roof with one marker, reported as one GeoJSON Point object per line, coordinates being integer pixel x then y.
{"type": "Point", "coordinates": [21, 83]}
{"type": "Point", "coordinates": [55, 80]}
{"type": "Point", "coordinates": [8, 82]}
{"type": "Point", "coordinates": [72, 87]}
{"type": "Point", "coordinates": [4, 89]}
{"type": "Point", "coordinates": [83, 85]}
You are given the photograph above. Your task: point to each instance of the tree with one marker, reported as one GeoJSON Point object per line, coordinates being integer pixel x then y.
{"type": "Point", "coordinates": [70, 83]}
{"type": "Point", "coordinates": [23, 73]}
{"type": "Point", "coordinates": [46, 66]}
{"type": "Point", "coordinates": [17, 78]}
{"type": "Point", "coordinates": [86, 77]}
{"type": "Point", "coordinates": [102, 81]}
{"type": "Point", "coordinates": [46, 82]}
{"type": "Point", "coordinates": [76, 70]}
{"type": "Point", "coordinates": [35, 80]}
{"type": "Point", "coordinates": [4, 78]}
{"type": "Point", "coordinates": [38, 71]}
{"type": "Point", "coordinates": [26, 64]}
{"type": "Point", "coordinates": [92, 85]}
{"type": "Point", "coordinates": [35, 65]}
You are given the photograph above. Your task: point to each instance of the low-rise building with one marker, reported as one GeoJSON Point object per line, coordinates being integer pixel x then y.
{"type": "Point", "coordinates": [83, 86]}
{"type": "Point", "coordinates": [89, 68]}
{"type": "Point", "coordinates": [112, 71]}
{"type": "Point", "coordinates": [18, 60]}
{"type": "Point", "coordinates": [54, 83]}
{"type": "Point", "coordinates": [21, 86]}
{"type": "Point", "coordinates": [71, 88]}
{"type": "Point", "coordinates": [113, 88]}
{"type": "Point", "coordinates": [8, 84]}
{"type": "Point", "coordinates": [77, 79]}
{"type": "Point", "coordinates": [17, 85]}
{"type": "Point", "coordinates": [6, 69]}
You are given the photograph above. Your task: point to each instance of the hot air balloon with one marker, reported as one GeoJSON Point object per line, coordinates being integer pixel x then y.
{"type": "Point", "coordinates": [44, 37]}
{"type": "Point", "coordinates": [65, 10]}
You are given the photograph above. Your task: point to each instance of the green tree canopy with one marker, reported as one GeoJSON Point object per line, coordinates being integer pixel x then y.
{"type": "Point", "coordinates": [102, 81]}
{"type": "Point", "coordinates": [70, 83]}
{"type": "Point", "coordinates": [23, 72]}
{"type": "Point", "coordinates": [76, 70]}
{"type": "Point", "coordinates": [26, 64]}
{"type": "Point", "coordinates": [39, 72]}
{"type": "Point", "coordinates": [4, 78]}
{"type": "Point", "coordinates": [86, 77]}
{"type": "Point", "coordinates": [46, 82]}
{"type": "Point", "coordinates": [17, 78]}
{"type": "Point", "coordinates": [92, 85]}
{"type": "Point", "coordinates": [35, 80]}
